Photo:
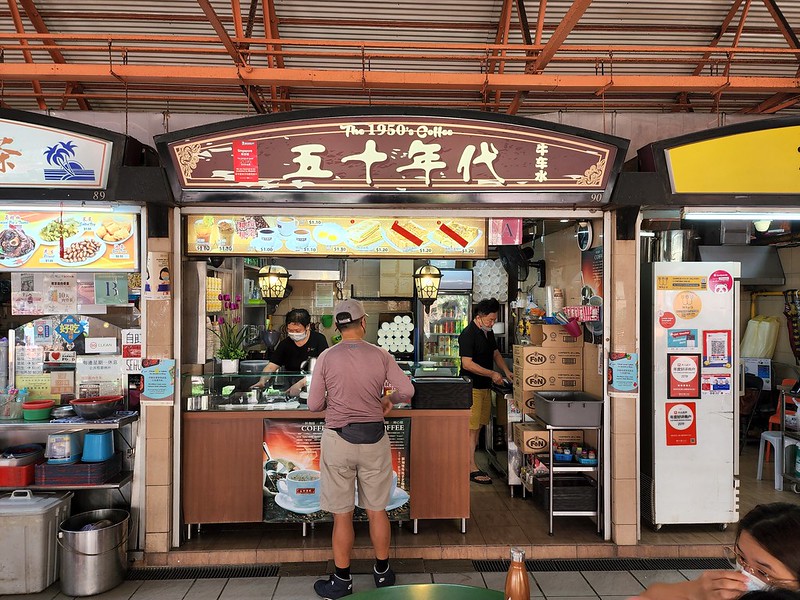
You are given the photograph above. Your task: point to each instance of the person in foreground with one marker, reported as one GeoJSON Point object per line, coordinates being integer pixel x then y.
{"type": "Point", "coordinates": [300, 344]}
{"type": "Point", "coordinates": [348, 385]}
{"type": "Point", "coordinates": [765, 555]}
{"type": "Point", "coordinates": [479, 353]}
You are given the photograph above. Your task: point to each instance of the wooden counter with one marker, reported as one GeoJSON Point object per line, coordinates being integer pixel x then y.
{"type": "Point", "coordinates": [222, 464]}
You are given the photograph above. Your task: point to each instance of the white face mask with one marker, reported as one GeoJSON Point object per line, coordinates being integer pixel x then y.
{"type": "Point", "coordinates": [754, 584]}
{"type": "Point", "coordinates": [297, 337]}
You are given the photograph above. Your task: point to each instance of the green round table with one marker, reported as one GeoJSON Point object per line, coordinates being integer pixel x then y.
{"type": "Point", "coordinates": [429, 591]}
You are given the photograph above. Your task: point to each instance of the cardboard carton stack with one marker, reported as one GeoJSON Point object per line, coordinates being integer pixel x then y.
{"type": "Point", "coordinates": [553, 361]}
{"type": "Point", "coordinates": [532, 439]}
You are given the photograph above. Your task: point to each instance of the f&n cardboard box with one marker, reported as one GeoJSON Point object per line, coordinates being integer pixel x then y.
{"type": "Point", "coordinates": [550, 336]}
{"type": "Point", "coordinates": [524, 401]}
{"type": "Point", "coordinates": [532, 439]}
{"type": "Point", "coordinates": [551, 380]}
{"type": "Point", "coordinates": [552, 357]}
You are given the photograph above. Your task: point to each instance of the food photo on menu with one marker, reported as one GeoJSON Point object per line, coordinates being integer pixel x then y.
{"type": "Point", "coordinates": [47, 239]}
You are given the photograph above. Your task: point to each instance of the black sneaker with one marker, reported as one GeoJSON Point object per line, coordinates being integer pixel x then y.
{"type": "Point", "coordinates": [334, 587]}
{"type": "Point", "coordinates": [383, 579]}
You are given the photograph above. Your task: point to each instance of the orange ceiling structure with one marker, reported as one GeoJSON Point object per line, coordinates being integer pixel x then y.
{"type": "Point", "coordinates": [508, 56]}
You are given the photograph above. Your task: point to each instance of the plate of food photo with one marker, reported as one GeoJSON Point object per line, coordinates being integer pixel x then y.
{"type": "Point", "coordinates": [54, 230]}
{"type": "Point", "coordinates": [455, 236]}
{"type": "Point", "coordinates": [112, 231]}
{"type": "Point", "coordinates": [82, 252]}
{"type": "Point", "coordinates": [16, 247]}
{"type": "Point", "coordinates": [365, 235]}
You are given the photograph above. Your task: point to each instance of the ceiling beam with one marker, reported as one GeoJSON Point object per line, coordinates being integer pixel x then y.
{"type": "Point", "coordinates": [26, 53]}
{"type": "Point", "coordinates": [396, 80]}
{"type": "Point", "coordinates": [39, 25]}
{"type": "Point", "coordinates": [271, 33]}
{"type": "Point", "coordinates": [768, 106]}
{"type": "Point", "coordinates": [233, 51]}
{"type": "Point", "coordinates": [546, 54]}
{"type": "Point", "coordinates": [737, 36]}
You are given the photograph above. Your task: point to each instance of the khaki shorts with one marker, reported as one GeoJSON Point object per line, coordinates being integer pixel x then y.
{"type": "Point", "coordinates": [342, 465]}
{"type": "Point", "coordinates": [481, 408]}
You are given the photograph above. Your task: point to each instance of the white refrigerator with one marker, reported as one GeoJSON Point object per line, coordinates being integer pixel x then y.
{"type": "Point", "coordinates": [690, 393]}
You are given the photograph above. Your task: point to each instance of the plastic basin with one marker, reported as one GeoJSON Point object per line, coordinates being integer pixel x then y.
{"type": "Point", "coordinates": [100, 407]}
{"type": "Point", "coordinates": [37, 410]}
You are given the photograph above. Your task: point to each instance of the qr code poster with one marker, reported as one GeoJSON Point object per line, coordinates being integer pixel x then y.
{"type": "Point", "coordinates": [717, 348]}
{"type": "Point", "coordinates": [681, 423]}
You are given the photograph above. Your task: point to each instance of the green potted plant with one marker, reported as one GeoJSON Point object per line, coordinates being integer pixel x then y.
{"type": "Point", "coordinates": [231, 334]}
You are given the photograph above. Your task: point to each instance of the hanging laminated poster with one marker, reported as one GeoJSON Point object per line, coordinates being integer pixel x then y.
{"type": "Point", "coordinates": [683, 376]}
{"type": "Point", "coordinates": [111, 289]}
{"type": "Point", "coordinates": [717, 348]}
{"type": "Point", "coordinates": [623, 370]}
{"type": "Point", "coordinates": [681, 423]}
{"type": "Point", "coordinates": [27, 296]}
{"type": "Point", "coordinates": [159, 379]}
{"type": "Point", "coordinates": [98, 376]}
{"type": "Point", "coordinates": [60, 293]}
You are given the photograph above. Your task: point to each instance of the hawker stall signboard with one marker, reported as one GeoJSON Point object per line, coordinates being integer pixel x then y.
{"type": "Point", "coordinates": [409, 152]}
{"type": "Point", "coordinates": [352, 236]}
{"type": "Point", "coordinates": [33, 155]}
{"type": "Point", "coordinates": [69, 241]}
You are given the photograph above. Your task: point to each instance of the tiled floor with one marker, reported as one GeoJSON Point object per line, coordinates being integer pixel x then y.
{"type": "Point", "coordinates": [559, 585]}
{"type": "Point", "coordinates": [498, 520]}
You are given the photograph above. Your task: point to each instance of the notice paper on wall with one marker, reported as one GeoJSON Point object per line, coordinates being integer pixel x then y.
{"type": "Point", "coordinates": [159, 379]}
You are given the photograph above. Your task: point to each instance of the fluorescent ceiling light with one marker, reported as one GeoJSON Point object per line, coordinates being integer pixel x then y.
{"type": "Point", "coordinates": [716, 214]}
{"type": "Point", "coordinates": [646, 234]}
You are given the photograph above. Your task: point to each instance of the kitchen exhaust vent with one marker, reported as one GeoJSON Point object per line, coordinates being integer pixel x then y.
{"type": "Point", "coordinates": [761, 265]}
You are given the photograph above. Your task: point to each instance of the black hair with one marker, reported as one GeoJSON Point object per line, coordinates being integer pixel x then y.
{"type": "Point", "coordinates": [351, 325]}
{"type": "Point", "coordinates": [771, 594]}
{"type": "Point", "coordinates": [776, 528]}
{"type": "Point", "coordinates": [486, 306]}
{"type": "Point", "coordinates": [298, 315]}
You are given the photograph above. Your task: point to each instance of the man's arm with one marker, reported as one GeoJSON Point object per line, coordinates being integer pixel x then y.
{"type": "Point", "coordinates": [470, 365]}
{"type": "Point", "coordinates": [316, 392]}
{"type": "Point", "coordinates": [401, 382]}
{"type": "Point", "coordinates": [270, 368]}
{"type": "Point", "coordinates": [501, 362]}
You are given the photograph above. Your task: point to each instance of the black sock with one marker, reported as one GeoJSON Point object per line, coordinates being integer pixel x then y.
{"type": "Point", "coordinates": [343, 572]}
{"type": "Point", "coordinates": [381, 565]}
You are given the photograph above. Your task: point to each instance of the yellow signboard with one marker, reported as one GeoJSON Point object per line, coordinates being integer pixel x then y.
{"type": "Point", "coordinates": [754, 162]}
{"type": "Point", "coordinates": [680, 282]}
{"type": "Point", "coordinates": [323, 236]}
{"type": "Point", "coordinates": [70, 241]}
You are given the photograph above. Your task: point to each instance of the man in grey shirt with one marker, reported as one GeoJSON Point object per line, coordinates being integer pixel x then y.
{"type": "Point", "coordinates": [348, 383]}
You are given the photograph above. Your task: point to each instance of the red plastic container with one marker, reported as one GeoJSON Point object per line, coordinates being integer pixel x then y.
{"type": "Point", "coordinates": [17, 476]}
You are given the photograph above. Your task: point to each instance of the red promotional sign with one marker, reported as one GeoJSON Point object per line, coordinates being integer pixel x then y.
{"type": "Point", "coordinates": [245, 161]}
{"type": "Point", "coordinates": [683, 375]}
{"type": "Point", "coordinates": [681, 421]}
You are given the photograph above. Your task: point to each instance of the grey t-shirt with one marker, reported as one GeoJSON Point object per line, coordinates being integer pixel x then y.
{"type": "Point", "coordinates": [347, 383]}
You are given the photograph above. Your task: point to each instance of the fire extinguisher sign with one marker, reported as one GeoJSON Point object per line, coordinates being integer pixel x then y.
{"type": "Point", "coordinates": [681, 423]}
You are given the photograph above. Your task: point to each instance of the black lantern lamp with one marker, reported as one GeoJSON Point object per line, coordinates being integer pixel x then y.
{"type": "Point", "coordinates": [272, 280]}
{"type": "Point", "coordinates": [426, 281]}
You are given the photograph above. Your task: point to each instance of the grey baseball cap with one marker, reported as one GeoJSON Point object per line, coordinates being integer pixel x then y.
{"type": "Point", "coordinates": [348, 311]}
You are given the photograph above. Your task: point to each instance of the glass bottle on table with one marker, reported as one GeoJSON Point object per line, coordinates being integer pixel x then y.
{"type": "Point", "coordinates": [517, 585]}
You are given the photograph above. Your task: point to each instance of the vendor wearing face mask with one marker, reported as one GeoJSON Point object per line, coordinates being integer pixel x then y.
{"type": "Point", "coordinates": [300, 344]}
{"type": "Point", "coordinates": [479, 354]}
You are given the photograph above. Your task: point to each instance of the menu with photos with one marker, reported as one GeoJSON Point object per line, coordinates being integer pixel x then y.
{"type": "Point", "coordinates": [368, 237]}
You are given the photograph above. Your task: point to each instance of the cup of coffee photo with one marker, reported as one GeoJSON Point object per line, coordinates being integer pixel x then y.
{"type": "Point", "coordinates": [286, 225]}
{"type": "Point", "coordinates": [266, 235]}
{"type": "Point", "coordinates": [301, 236]}
{"type": "Point", "coordinates": [301, 486]}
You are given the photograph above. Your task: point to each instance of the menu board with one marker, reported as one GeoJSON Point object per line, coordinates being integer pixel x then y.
{"type": "Point", "coordinates": [70, 241]}
{"type": "Point", "coordinates": [321, 236]}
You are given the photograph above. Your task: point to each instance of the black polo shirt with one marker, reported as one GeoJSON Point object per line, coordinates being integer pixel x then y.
{"type": "Point", "coordinates": [291, 357]}
{"type": "Point", "coordinates": [480, 347]}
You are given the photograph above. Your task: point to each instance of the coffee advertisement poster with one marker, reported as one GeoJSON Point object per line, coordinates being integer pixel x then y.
{"type": "Point", "coordinates": [291, 477]}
